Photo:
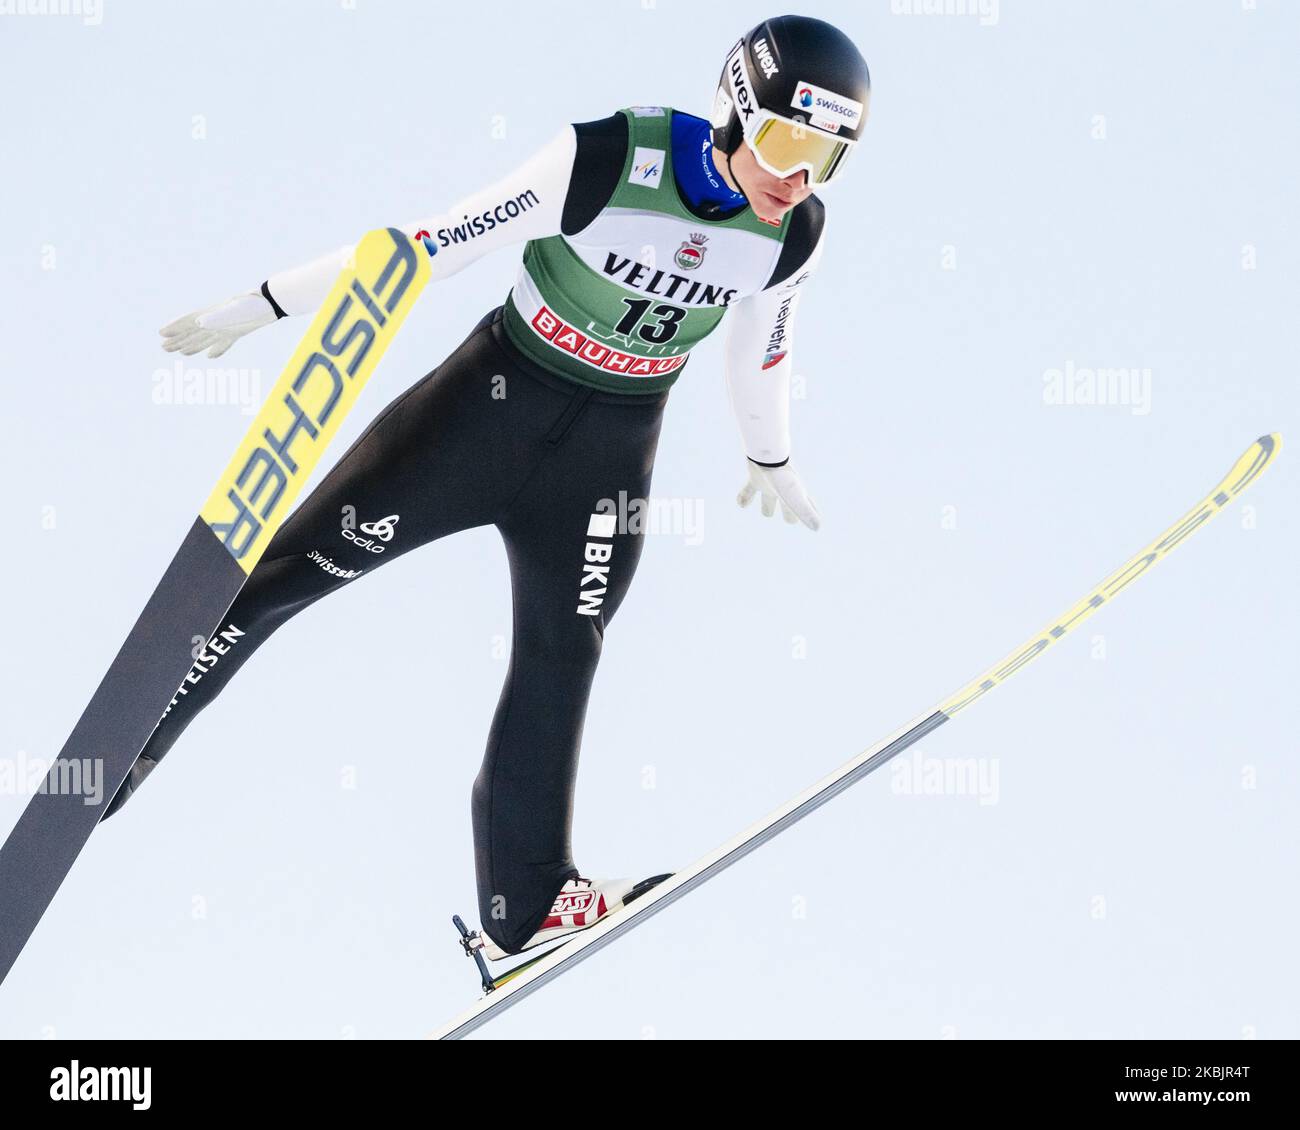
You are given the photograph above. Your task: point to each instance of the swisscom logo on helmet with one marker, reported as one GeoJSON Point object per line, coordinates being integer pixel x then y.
{"type": "Point", "coordinates": [831, 110]}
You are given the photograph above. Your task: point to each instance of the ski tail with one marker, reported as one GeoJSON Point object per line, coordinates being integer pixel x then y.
{"type": "Point", "coordinates": [343, 346]}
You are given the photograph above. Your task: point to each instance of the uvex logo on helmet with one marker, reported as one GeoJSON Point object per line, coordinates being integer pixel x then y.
{"type": "Point", "coordinates": [758, 84]}
{"type": "Point", "coordinates": [746, 104]}
{"type": "Point", "coordinates": [763, 55]}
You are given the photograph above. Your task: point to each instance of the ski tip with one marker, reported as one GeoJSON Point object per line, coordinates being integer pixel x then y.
{"type": "Point", "coordinates": [1254, 460]}
{"type": "Point", "coordinates": [1270, 443]}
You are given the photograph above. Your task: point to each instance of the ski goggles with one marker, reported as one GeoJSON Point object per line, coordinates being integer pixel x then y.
{"type": "Point", "coordinates": [783, 147]}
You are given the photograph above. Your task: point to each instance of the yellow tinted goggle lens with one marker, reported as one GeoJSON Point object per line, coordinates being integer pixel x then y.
{"type": "Point", "coordinates": [787, 145]}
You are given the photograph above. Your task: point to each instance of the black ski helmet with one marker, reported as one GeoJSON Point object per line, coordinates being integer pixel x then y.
{"type": "Point", "coordinates": [797, 68]}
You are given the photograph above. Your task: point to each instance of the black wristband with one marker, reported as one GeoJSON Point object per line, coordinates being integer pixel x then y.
{"type": "Point", "coordinates": [266, 293]}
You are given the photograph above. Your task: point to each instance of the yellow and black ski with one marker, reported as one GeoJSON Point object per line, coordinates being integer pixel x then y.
{"type": "Point", "coordinates": [355, 325]}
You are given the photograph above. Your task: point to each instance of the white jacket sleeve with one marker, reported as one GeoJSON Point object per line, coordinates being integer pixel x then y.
{"type": "Point", "coordinates": [758, 364]}
{"type": "Point", "coordinates": [527, 203]}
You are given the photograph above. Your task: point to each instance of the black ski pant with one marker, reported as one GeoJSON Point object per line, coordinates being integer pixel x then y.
{"type": "Point", "coordinates": [487, 437]}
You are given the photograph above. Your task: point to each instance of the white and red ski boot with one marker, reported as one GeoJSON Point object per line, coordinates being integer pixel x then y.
{"type": "Point", "coordinates": [580, 904]}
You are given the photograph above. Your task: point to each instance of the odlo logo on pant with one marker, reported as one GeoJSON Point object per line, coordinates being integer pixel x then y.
{"type": "Point", "coordinates": [379, 531]}
{"type": "Point", "coordinates": [595, 570]}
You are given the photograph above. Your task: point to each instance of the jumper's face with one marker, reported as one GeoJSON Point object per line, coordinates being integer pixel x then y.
{"type": "Point", "coordinates": [770, 196]}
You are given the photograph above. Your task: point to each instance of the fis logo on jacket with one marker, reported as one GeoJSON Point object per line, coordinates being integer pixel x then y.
{"type": "Point", "coordinates": [647, 167]}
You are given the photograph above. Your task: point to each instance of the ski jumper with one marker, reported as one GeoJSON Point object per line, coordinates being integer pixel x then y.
{"type": "Point", "coordinates": [547, 411]}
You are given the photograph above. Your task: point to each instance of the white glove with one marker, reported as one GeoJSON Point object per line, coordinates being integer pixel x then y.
{"type": "Point", "coordinates": [780, 484]}
{"type": "Point", "coordinates": [218, 327]}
